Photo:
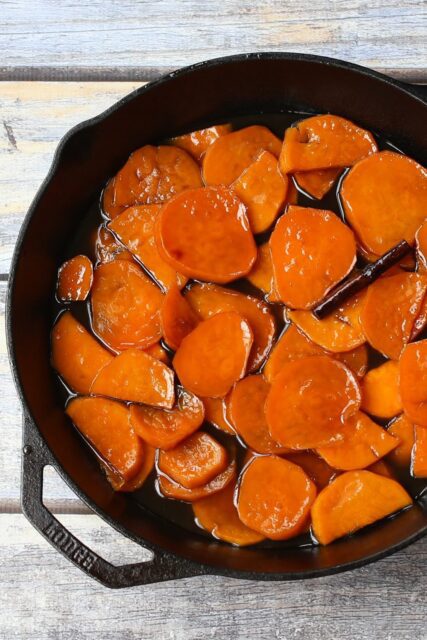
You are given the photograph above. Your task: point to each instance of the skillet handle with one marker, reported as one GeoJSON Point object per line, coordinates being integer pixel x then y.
{"type": "Point", "coordinates": [162, 567]}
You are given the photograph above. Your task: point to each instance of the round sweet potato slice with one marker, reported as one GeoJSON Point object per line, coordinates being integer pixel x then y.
{"type": "Point", "coordinates": [352, 501]}
{"type": "Point", "coordinates": [316, 183]}
{"type": "Point", "coordinates": [230, 155]}
{"type": "Point", "coordinates": [197, 142]}
{"type": "Point", "coordinates": [205, 234]}
{"type": "Point", "coordinates": [274, 497]}
{"type": "Point", "coordinates": [309, 402]}
{"type": "Point", "coordinates": [75, 279]}
{"type": "Point", "coordinates": [261, 275]}
{"type": "Point", "coordinates": [214, 355]}
{"type": "Point", "coordinates": [178, 318]}
{"type": "Point", "coordinates": [403, 429]}
{"type": "Point", "coordinates": [170, 489]}
{"type": "Point", "coordinates": [380, 391]}
{"type": "Point", "coordinates": [216, 413]}
{"type": "Point", "coordinates": [107, 249]}
{"type": "Point", "coordinates": [311, 251]}
{"type": "Point", "coordinates": [120, 484]}
{"type": "Point", "coordinates": [384, 198]}
{"type": "Point", "coordinates": [413, 382]}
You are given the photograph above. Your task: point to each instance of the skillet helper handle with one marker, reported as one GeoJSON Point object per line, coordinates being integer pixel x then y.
{"type": "Point", "coordinates": [162, 567]}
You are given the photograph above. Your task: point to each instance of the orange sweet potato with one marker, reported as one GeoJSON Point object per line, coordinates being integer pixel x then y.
{"type": "Point", "coordinates": [76, 355]}
{"type": "Point", "coordinates": [208, 300]}
{"type": "Point", "coordinates": [106, 424]}
{"type": "Point", "coordinates": [316, 183]}
{"type": "Point", "coordinates": [420, 322]}
{"type": "Point", "coordinates": [261, 275]}
{"type": "Point", "coordinates": [385, 200]}
{"type": "Point", "coordinates": [125, 306]}
{"type": "Point", "coordinates": [197, 142]}
{"type": "Point", "coordinates": [247, 414]}
{"type": "Point", "coordinates": [403, 429]}
{"type": "Point", "coordinates": [230, 155]}
{"type": "Point", "coordinates": [166, 428]}
{"type": "Point", "coordinates": [152, 175]}
{"type": "Point", "coordinates": [119, 484]}
{"type": "Point", "coordinates": [419, 453]}
{"type": "Point", "coordinates": [311, 250]}
{"type": "Point", "coordinates": [380, 391]}
{"type": "Point", "coordinates": [421, 248]}
{"type": "Point", "coordinates": [352, 501]}
{"type": "Point", "coordinates": [193, 462]}
{"type": "Point", "coordinates": [157, 351]}
{"type": "Point", "coordinates": [364, 443]}
{"type": "Point", "coordinates": [314, 466]}
{"type": "Point", "coordinates": [175, 491]}
{"type": "Point", "coordinates": [109, 207]}
{"type": "Point", "coordinates": [135, 376]}
{"type": "Point", "coordinates": [106, 247]}
{"type": "Point", "coordinates": [135, 229]}
{"type": "Point", "coordinates": [75, 279]}
{"type": "Point", "coordinates": [309, 401]}
{"type": "Point", "coordinates": [214, 355]}
{"type": "Point", "coordinates": [323, 142]}
{"type": "Point", "coordinates": [218, 515]}
{"type": "Point", "coordinates": [205, 234]}
{"type": "Point", "coordinates": [178, 318]}
{"type": "Point", "coordinates": [381, 468]}
{"type": "Point", "coordinates": [216, 413]}
{"type": "Point", "coordinates": [391, 306]}
{"type": "Point", "coordinates": [263, 189]}
{"type": "Point", "coordinates": [413, 382]}
{"type": "Point", "coordinates": [274, 497]}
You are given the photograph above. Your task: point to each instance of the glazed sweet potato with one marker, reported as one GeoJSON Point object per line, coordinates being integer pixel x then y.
{"type": "Point", "coordinates": [135, 376]}
{"type": "Point", "coordinates": [247, 414]}
{"type": "Point", "coordinates": [385, 199]}
{"type": "Point", "coordinates": [364, 443]}
{"type": "Point", "coordinates": [380, 391]}
{"type": "Point", "coordinates": [208, 300]}
{"type": "Point", "coordinates": [314, 466]}
{"type": "Point", "coordinates": [175, 491]}
{"type": "Point", "coordinates": [218, 515]}
{"type": "Point", "coordinates": [214, 355]}
{"type": "Point", "coordinates": [420, 322]}
{"type": "Point", "coordinates": [323, 142]}
{"type": "Point", "coordinates": [178, 318]}
{"type": "Point", "coordinates": [153, 175]}
{"type": "Point", "coordinates": [311, 251]}
{"type": "Point", "coordinates": [391, 306]}
{"type": "Point", "coordinates": [216, 413]}
{"type": "Point", "coordinates": [263, 189]}
{"type": "Point", "coordinates": [382, 468]}
{"type": "Point", "coordinates": [274, 497]}
{"type": "Point", "coordinates": [76, 355]}
{"type": "Point", "coordinates": [413, 382]}
{"type": "Point", "coordinates": [75, 277]}
{"type": "Point", "coordinates": [316, 183]}
{"type": "Point", "coordinates": [109, 208]}
{"type": "Point", "coordinates": [106, 247]}
{"type": "Point", "coordinates": [166, 428]}
{"type": "Point", "coordinates": [261, 275]}
{"type": "Point", "coordinates": [309, 401]}
{"type": "Point", "coordinates": [197, 142]}
{"type": "Point", "coordinates": [120, 484]}
{"type": "Point", "coordinates": [106, 424]}
{"type": "Point", "coordinates": [230, 155]}
{"type": "Point", "coordinates": [403, 429]}
{"type": "Point", "coordinates": [419, 453]}
{"type": "Point", "coordinates": [125, 306]}
{"type": "Point", "coordinates": [421, 248]}
{"type": "Point", "coordinates": [352, 501]}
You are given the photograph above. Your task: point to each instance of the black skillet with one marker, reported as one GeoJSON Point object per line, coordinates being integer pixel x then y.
{"type": "Point", "coordinates": [206, 93]}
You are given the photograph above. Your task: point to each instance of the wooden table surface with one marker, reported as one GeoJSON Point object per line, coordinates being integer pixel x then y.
{"type": "Point", "coordinates": [62, 62]}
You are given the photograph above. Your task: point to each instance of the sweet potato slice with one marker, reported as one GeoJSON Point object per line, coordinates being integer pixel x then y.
{"type": "Point", "coordinates": [109, 207]}
{"type": "Point", "coordinates": [261, 275]}
{"type": "Point", "coordinates": [135, 229]}
{"type": "Point", "coordinates": [216, 413]}
{"type": "Point", "coordinates": [309, 401]}
{"type": "Point", "coordinates": [316, 183]}
{"type": "Point", "coordinates": [125, 306]}
{"type": "Point", "coordinates": [214, 355]}
{"type": "Point", "coordinates": [311, 250]}
{"type": "Point", "coordinates": [106, 425]}
{"type": "Point", "coordinates": [157, 351]}
{"type": "Point", "coordinates": [380, 391]}
{"type": "Point", "coordinates": [205, 234]}
{"type": "Point", "coordinates": [391, 307]}
{"type": "Point", "coordinates": [352, 501]}
{"type": "Point", "coordinates": [263, 189]}
{"type": "Point", "coordinates": [119, 484]}
{"type": "Point", "coordinates": [175, 491]}
{"type": "Point", "coordinates": [413, 382]}
{"type": "Point", "coordinates": [135, 376]}
{"type": "Point", "coordinates": [314, 466]}
{"type": "Point", "coordinates": [166, 428]}
{"type": "Point", "coordinates": [75, 279]}
{"type": "Point", "coordinates": [208, 300]}
{"type": "Point", "coordinates": [421, 248]}
{"type": "Point", "coordinates": [247, 414]}
{"type": "Point", "coordinates": [385, 200]}
{"type": "Point", "coordinates": [323, 142]}
{"type": "Point", "coordinates": [197, 142]}
{"type": "Point", "coordinates": [218, 515]}
{"type": "Point", "coordinates": [403, 429]}
{"type": "Point", "coordinates": [106, 247]}
{"type": "Point", "coordinates": [76, 355]}
{"type": "Point", "coordinates": [178, 318]}
{"type": "Point", "coordinates": [193, 462]}
{"type": "Point", "coordinates": [274, 497]}
{"type": "Point", "coordinates": [421, 320]}
{"type": "Point", "coordinates": [419, 453]}
{"type": "Point", "coordinates": [152, 175]}
{"type": "Point", "coordinates": [230, 155]}
{"type": "Point", "coordinates": [364, 443]}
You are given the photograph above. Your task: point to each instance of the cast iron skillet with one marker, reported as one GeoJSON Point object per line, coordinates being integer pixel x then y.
{"type": "Point", "coordinates": [197, 96]}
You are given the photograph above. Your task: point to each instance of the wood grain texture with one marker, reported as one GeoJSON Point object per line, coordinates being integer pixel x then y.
{"type": "Point", "coordinates": [388, 35]}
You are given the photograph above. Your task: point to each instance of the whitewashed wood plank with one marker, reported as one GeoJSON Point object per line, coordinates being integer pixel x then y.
{"type": "Point", "coordinates": [386, 34]}
{"type": "Point", "coordinates": [44, 597]}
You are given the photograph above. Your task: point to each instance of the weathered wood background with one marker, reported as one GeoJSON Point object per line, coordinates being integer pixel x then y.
{"type": "Point", "coordinates": [93, 54]}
